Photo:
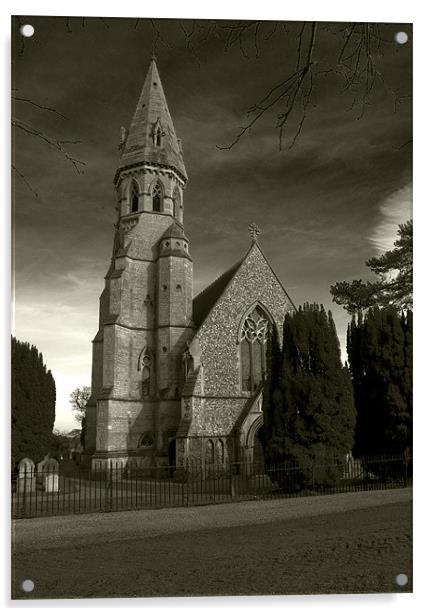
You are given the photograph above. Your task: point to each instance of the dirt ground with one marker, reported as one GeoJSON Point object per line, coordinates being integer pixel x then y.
{"type": "Point", "coordinates": [346, 543]}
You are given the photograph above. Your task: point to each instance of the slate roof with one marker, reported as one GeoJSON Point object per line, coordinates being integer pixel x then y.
{"type": "Point", "coordinates": [207, 298]}
{"type": "Point", "coordinates": [139, 147]}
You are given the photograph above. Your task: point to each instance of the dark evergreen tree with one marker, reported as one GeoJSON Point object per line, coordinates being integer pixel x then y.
{"type": "Point", "coordinates": [33, 404]}
{"type": "Point", "coordinates": [313, 411]}
{"type": "Point", "coordinates": [271, 391]}
{"type": "Point", "coordinates": [379, 348]}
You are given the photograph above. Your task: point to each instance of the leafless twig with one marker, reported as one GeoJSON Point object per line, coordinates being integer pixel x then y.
{"type": "Point", "coordinates": [44, 107]}
{"type": "Point", "coordinates": [51, 141]}
{"type": "Point", "coordinates": [26, 182]}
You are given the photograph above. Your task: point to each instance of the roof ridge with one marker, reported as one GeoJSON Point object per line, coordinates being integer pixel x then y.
{"type": "Point", "coordinates": [212, 293]}
{"type": "Point", "coordinates": [233, 267]}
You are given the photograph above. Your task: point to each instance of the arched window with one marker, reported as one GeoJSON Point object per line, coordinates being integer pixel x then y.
{"type": "Point", "coordinates": [157, 134]}
{"type": "Point", "coordinates": [254, 335]}
{"type": "Point", "coordinates": [157, 195]}
{"type": "Point", "coordinates": [134, 197]}
{"type": "Point", "coordinates": [145, 365]}
{"type": "Point", "coordinates": [209, 452]}
{"type": "Point", "coordinates": [219, 451]}
{"type": "Point", "coordinates": [158, 137]}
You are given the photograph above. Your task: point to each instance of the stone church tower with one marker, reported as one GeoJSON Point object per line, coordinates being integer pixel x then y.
{"type": "Point", "coordinates": [145, 317]}
{"type": "Point", "coordinates": [176, 378]}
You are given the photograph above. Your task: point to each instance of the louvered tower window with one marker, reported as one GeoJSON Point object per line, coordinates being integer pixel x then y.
{"type": "Point", "coordinates": [158, 137]}
{"type": "Point", "coordinates": [134, 197]}
{"type": "Point", "coordinates": [157, 198]}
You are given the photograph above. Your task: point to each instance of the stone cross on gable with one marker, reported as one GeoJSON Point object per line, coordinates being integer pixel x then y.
{"type": "Point", "coordinates": [254, 231]}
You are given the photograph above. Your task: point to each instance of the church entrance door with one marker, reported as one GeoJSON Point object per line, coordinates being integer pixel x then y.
{"type": "Point", "coordinates": [258, 452]}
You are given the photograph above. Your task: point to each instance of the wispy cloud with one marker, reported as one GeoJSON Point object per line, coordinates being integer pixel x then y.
{"type": "Point", "coordinates": [324, 206]}
{"type": "Point", "coordinates": [394, 210]}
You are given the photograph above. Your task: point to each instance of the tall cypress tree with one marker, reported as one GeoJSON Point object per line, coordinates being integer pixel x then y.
{"type": "Point", "coordinates": [33, 404]}
{"type": "Point", "coordinates": [271, 393]}
{"type": "Point", "coordinates": [380, 357]}
{"type": "Point", "coordinates": [313, 422]}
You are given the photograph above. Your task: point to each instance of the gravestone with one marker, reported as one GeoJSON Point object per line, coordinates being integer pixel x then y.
{"type": "Point", "coordinates": [26, 478]}
{"type": "Point", "coordinates": [50, 476]}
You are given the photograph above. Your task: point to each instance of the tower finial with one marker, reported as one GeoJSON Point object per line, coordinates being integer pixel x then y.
{"type": "Point", "coordinates": [254, 231]}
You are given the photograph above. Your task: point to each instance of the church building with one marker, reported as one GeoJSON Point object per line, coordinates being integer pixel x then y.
{"type": "Point", "coordinates": [175, 378]}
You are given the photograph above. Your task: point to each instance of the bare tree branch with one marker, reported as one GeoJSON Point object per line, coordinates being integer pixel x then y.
{"type": "Point", "coordinates": [45, 108]}
{"type": "Point", "coordinates": [51, 141]}
{"type": "Point", "coordinates": [26, 182]}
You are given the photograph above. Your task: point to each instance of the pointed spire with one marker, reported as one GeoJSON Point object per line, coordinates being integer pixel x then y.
{"type": "Point", "coordinates": [151, 137]}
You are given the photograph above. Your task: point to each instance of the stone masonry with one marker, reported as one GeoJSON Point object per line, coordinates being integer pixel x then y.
{"type": "Point", "coordinates": [173, 379]}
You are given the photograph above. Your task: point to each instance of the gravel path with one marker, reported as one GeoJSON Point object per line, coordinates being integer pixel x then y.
{"type": "Point", "coordinates": [340, 543]}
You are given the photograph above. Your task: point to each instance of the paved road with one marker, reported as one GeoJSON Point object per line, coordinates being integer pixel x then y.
{"type": "Point", "coordinates": [341, 543]}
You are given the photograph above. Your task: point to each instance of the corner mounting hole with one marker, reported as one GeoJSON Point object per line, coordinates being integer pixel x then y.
{"type": "Point", "coordinates": [401, 38]}
{"type": "Point", "coordinates": [401, 579]}
{"type": "Point", "coordinates": [27, 585]}
{"type": "Point", "coordinates": [27, 30]}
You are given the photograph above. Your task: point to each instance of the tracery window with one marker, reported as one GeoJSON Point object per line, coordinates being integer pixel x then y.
{"type": "Point", "coordinates": [134, 197]}
{"type": "Point", "coordinates": [157, 198]}
{"type": "Point", "coordinates": [254, 335]}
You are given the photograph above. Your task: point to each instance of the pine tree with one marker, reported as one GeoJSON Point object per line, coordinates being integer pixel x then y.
{"type": "Point", "coordinates": [33, 404]}
{"type": "Point", "coordinates": [393, 285]}
{"type": "Point", "coordinates": [313, 411]}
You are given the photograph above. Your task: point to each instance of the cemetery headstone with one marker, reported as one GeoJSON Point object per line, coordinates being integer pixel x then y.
{"type": "Point", "coordinates": [26, 476]}
{"type": "Point", "coordinates": [50, 472]}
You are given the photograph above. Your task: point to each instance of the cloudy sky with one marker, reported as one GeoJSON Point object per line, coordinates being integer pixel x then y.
{"type": "Point", "coordinates": [324, 206]}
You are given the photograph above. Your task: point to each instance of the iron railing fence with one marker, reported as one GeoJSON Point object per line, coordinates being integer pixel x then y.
{"type": "Point", "coordinates": [113, 486]}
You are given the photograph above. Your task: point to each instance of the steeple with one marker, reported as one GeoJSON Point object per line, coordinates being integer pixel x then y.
{"type": "Point", "coordinates": [151, 138]}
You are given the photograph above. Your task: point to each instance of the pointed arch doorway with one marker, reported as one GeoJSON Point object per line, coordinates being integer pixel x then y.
{"type": "Point", "coordinates": [258, 448]}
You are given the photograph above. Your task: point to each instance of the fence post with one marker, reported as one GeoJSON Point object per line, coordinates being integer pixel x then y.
{"type": "Point", "coordinates": [24, 494]}
{"type": "Point", "coordinates": [108, 500]}
{"type": "Point", "coordinates": [185, 483]}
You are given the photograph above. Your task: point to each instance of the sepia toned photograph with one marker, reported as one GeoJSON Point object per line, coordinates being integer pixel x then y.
{"type": "Point", "coordinates": [212, 285]}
